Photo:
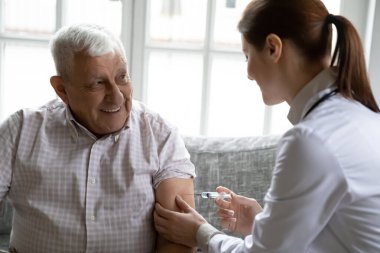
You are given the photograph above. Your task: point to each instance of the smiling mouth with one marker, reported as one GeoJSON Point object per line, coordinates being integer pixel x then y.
{"type": "Point", "coordinates": [112, 110]}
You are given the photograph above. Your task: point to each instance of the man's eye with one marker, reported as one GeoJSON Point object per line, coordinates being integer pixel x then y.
{"type": "Point", "coordinates": [124, 78]}
{"type": "Point", "coordinates": [95, 84]}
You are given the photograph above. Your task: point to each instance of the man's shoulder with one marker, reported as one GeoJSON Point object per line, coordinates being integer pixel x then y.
{"type": "Point", "coordinates": [33, 119]}
{"type": "Point", "coordinates": [142, 111]}
{"type": "Point", "coordinates": [53, 108]}
{"type": "Point", "coordinates": [53, 105]}
{"type": "Point", "coordinates": [144, 118]}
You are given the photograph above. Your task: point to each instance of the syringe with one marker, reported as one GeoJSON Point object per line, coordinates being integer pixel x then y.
{"type": "Point", "coordinates": [214, 195]}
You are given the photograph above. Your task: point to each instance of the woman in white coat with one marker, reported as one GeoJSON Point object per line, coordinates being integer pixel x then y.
{"type": "Point", "coordinates": [325, 192]}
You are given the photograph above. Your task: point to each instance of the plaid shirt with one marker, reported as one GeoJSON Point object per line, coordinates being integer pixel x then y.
{"type": "Point", "coordinates": [73, 192]}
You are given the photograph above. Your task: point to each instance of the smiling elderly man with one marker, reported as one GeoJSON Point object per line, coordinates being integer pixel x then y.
{"type": "Point", "coordinates": [83, 172]}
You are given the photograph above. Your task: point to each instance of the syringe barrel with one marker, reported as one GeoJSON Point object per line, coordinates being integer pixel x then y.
{"type": "Point", "coordinates": [214, 195]}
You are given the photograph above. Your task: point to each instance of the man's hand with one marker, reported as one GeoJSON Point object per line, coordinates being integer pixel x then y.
{"type": "Point", "coordinates": [238, 213]}
{"type": "Point", "coordinates": [179, 227]}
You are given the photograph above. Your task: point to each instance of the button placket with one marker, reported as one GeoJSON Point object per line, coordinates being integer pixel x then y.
{"type": "Point", "coordinates": [93, 194]}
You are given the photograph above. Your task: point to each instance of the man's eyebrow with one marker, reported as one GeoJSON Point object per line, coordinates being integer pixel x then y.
{"type": "Point", "coordinates": [95, 76]}
{"type": "Point", "coordinates": [122, 70]}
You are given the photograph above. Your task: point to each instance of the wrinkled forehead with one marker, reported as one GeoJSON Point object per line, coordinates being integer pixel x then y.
{"type": "Point", "coordinates": [87, 65]}
{"type": "Point", "coordinates": [112, 56]}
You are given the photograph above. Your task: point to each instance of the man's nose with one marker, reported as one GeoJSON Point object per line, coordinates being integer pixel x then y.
{"type": "Point", "coordinates": [113, 93]}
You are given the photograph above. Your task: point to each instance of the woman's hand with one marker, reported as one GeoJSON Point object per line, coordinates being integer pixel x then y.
{"type": "Point", "coordinates": [237, 214]}
{"type": "Point", "coordinates": [178, 227]}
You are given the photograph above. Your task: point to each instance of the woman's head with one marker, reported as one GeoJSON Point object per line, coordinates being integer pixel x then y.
{"type": "Point", "coordinates": [301, 21]}
{"type": "Point", "coordinates": [306, 24]}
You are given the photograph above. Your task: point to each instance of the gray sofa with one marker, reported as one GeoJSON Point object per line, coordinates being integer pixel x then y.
{"type": "Point", "coordinates": [244, 165]}
{"type": "Point", "coordinates": [5, 224]}
{"type": "Point", "coordinates": [241, 164]}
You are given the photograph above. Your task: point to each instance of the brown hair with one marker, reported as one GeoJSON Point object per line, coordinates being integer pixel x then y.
{"type": "Point", "coordinates": [307, 23]}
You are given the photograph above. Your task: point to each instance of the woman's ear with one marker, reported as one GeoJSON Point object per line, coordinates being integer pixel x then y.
{"type": "Point", "coordinates": [59, 86]}
{"type": "Point", "coordinates": [274, 45]}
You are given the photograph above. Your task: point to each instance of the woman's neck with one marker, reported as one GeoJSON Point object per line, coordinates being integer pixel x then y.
{"type": "Point", "coordinates": [301, 74]}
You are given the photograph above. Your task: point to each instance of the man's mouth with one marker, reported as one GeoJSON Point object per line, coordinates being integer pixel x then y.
{"type": "Point", "coordinates": [116, 109]}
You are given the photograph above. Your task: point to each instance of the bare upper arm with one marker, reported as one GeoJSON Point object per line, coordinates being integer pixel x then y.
{"type": "Point", "coordinates": [169, 188]}
{"type": "Point", "coordinates": [165, 195]}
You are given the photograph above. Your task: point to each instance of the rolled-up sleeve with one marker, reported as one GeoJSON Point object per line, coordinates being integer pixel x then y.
{"type": "Point", "coordinates": [174, 159]}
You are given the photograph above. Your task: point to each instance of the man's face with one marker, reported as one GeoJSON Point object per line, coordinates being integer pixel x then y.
{"type": "Point", "coordinates": [99, 92]}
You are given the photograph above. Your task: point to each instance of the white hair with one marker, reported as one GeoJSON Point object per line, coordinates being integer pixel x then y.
{"type": "Point", "coordinates": [93, 40]}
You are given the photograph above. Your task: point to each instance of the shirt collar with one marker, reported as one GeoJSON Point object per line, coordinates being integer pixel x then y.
{"type": "Point", "coordinates": [74, 126]}
{"type": "Point", "coordinates": [319, 86]}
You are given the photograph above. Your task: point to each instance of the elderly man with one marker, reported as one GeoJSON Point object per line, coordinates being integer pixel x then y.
{"type": "Point", "coordinates": [83, 172]}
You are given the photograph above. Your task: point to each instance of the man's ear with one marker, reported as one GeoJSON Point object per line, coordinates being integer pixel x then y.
{"type": "Point", "coordinates": [59, 86]}
{"type": "Point", "coordinates": [275, 46]}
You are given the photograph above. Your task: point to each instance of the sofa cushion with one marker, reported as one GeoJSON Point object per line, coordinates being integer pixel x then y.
{"type": "Point", "coordinates": [5, 224]}
{"type": "Point", "coordinates": [242, 164]}
{"type": "Point", "coordinates": [5, 217]}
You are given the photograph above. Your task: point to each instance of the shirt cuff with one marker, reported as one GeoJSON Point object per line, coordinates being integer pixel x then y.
{"type": "Point", "coordinates": [204, 234]}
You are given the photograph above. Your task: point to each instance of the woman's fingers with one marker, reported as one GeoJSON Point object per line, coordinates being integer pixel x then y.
{"type": "Point", "coordinates": [225, 213]}
{"type": "Point", "coordinates": [237, 213]}
{"type": "Point", "coordinates": [241, 200]}
{"type": "Point", "coordinates": [224, 204]}
{"type": "Point", "coordinates": [182, 204]}
{"type": "Point", "coordinates": [162, 212]}
{"type": "Point", "coordinates": [224, 189]}
{"type": "Point", "coordinates": [227, 219]}
{"type": "Point", "coordinates": [179, 227]}
{"type": "Point", "coordinates": [229, 224]}
{"type": "Point", "coordinates": [159, 220]}
{"type": "Point", "coordinates": [162, 219]}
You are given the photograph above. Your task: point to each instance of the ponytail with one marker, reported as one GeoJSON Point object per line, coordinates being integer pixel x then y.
{"type": "Point", "coordinates": [307, 24]}
{"type": "Point", "coordinates": [352, 80]}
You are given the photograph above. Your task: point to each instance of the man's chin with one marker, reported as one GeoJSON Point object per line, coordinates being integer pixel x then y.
{"type": "Point", "coordinates": [111, 128]}
{"type": "Point", "coordinates": [107, 131]}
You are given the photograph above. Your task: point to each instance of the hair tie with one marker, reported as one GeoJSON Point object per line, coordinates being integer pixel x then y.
{"type": "Point", "coordinates": [330, 18]}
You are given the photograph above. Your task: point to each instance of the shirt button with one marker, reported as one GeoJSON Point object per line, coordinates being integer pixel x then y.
{"type": "Point", "coordinates": [92, 180]}
{"type": "Point", "coordinates": [92, 217]}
